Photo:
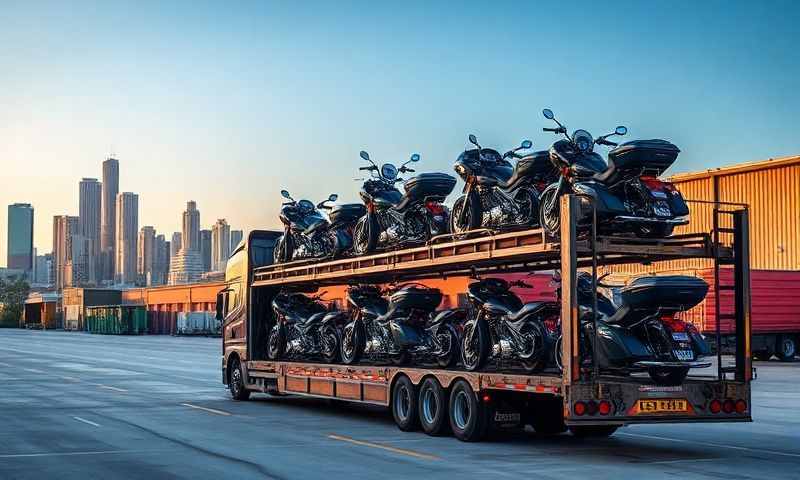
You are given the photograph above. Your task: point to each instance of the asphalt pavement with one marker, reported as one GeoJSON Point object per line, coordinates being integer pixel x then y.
{"type": "Point", "coordinates": [80, 406]}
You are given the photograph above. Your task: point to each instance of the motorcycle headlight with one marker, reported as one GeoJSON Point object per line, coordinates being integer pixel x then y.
{"type": "Point", "coordinates": [583, 140]}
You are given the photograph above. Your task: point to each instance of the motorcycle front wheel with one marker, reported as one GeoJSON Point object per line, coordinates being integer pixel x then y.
{"type": "Point", "coordinates": [363, 239]}
{"type": "Point", "coordinates": [471, 219]}
{"type": "Point", "coordinates": [550, 211]}
{"type": "Point", "coordinates": [276, 343]}
{"type": "Point", "coordinates": [278, 251]}
{"type": "Point", "coordinates": [352, 344]}
{"type": "Point", "coordinates": [329, 344]}
{"type": "Point", "coordinates": [475, 345]}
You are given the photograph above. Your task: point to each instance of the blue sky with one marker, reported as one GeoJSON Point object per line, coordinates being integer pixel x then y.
{"type": "Point", "coordinates": [226, 104]}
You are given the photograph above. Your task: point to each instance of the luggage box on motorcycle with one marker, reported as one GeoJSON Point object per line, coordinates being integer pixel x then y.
{"type": "Point", "coordinates": [537, 167]}
{"type": "Point", "coordinates": [432, 186]}
{"type": "Point", "coordinates": [417, 297]}
{"type": "Point", "coordinates": [347, 213]}
{"type": "Point", "coordinates": [674, 292]}
{"type": "Point", "coordinates": [649, 156]}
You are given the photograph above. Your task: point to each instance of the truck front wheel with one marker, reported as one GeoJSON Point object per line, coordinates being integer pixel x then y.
{"type": "Point", "coordinates": [236, 381]}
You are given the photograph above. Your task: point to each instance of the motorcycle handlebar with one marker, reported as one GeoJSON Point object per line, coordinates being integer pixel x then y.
{"type": "Point", "coordinates": [406, 169]}
{"type": "Point", "coordinates": [554, 130]}
{"type": "Point", "coordinates": [366, 168]}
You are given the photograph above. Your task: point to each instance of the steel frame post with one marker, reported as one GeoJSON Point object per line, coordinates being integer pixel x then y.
{"type": "Point", "coordinates": [570, 321]}
{"type": "Point", "coordinates": [741, 275]}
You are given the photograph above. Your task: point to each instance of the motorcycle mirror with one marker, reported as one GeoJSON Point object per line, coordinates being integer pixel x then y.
{"type": "Point", "coordinates": [365, 155]}
{"type": "Point", "coordinates": [548, 114]}
{"type": "Point", "coordinates": [285, 194]}
{"type": "Point", "coordinates": [415, 157]}
{"type": "Point", "coordinates": [473, 140]}
{"type": "Point", "coordinates": [526, 144]}
{"type": "Point", "coordinates": [621, 130]}
{"type": "Point", "coordinates": [332, 197]}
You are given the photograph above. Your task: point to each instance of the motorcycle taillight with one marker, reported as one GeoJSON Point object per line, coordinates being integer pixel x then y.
{"type": "Point", "coordinates": [434, 207]}
{"type": "Point", "coordinates": [673, 323]}
{"type": "Point", "coordinates": [551, 324]}
{"type": "Point", "coordinates": [653, 184]}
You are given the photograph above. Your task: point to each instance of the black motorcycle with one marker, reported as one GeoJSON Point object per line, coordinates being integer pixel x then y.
{"type": "Point", "coordinates": [304, 328]}
{"type": "Point", "coordinates": [404, 327]}
{"type": "Point", "coordinates": [308, 234]}
{"type": "Point", "coordinates": [637, 329]}
{"type": "Point", "coordinates": [497, 195]}
{"type": "Point", "coordinates": [394, 219]}
{"type": "Point", "coordinates": [500, 327]}
{"type": "Point", "coordinates": [628, 196]}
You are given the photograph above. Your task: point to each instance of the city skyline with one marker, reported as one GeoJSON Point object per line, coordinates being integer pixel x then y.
{"type": "Point", "coordinates": [216, 107]}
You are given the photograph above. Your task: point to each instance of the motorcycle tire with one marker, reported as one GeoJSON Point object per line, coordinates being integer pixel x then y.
{"type": "Point", "coordinates": [550, 214]}
{"type": "Point", "coordinates": [535, 362]}
{"type": "Point", "coordinates": [532, 201]}
{"type": "Point", "coordinates": [473, 216]}
{"type": "Point", "coordinates": [449, 359]}
{"type": "Point", "coordinates": [352, 344]}
{"type": "Point", "coordinates": [330, 346]}
{"type": "Point", "coordinates": [668, 376]}
{"type": "Point", "coordinates": [363, 238]}
{"type": "Point", "coordinates": [276, 343]}
{"type": "Point", "coordinates": [475, 350]}
{"type": "Point", "coordinates": [277, 252]}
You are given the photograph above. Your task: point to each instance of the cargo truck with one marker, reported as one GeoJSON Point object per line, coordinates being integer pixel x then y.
{"type": "Point", "coordinates": [583, 399]}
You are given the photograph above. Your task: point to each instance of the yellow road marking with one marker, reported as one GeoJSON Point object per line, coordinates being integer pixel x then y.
{"type": "Point", "coordinates": [401, 451]}
{"type": "Point", "coordinates": [209, 410]}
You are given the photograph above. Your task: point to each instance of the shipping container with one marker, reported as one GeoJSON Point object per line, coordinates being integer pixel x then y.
{"type": "Point", "coordinates": [76, 300]}
{"type": "Point", "coordinates": [197, 323]}
{"type": "Point", "coordinates": [117, 320]}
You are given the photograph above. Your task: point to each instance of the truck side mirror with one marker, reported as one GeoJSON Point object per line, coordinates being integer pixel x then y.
{"type": "Point", "coordinates": [220, 306]}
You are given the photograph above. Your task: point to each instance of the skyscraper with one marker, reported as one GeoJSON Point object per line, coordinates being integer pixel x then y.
{"type": "Point", "coordinates": [90, 217]}
{"type": "Point", "coordinates": [236, 237]}
{"type": "Point", "coordinates": [108, 228]}
{"type": "Point", "coordinates": [64, 228]}
{"type": "Point", "coordinates": [127, 236]}
{"type": "Point", "coordinates": [205, 249]}
{"type": "Point", "coordinates": [146, 256]}
{"type": "Point", "coordinates": [175, 244]}
{"type": "Point", "coordinates": [220, 244]}
{"type": "Point", "coordinates": [190, 239]}
{"type": "Point", "coordinates": [160, 260]}
{"type": "Point", "coordinates": [20, 236]}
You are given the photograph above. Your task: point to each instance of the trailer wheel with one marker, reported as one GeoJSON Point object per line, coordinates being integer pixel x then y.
{"type": "Point", "coordinates": [404, 404]}
{"type": "Point", "coordinates": [469, 418]}
{"type": "Point", "coordinates": [236, 381]}
{"type": "Point", "coordinates": [786, 348]}
{"type": "Point", "coordinates": [593, 431]}
{"type": "Point", "coordinates": [433, 407]}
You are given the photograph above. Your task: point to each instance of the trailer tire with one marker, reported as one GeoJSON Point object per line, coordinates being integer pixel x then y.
{"type": "Point", "coordinates": [236, 381]}
{"type": "Point", "coordinates": [469, 418]}
{"type": "Point", "coordinates": [593, 431]}
{"type": "Point", "coordinates": [786, 348]}
{"type": "Point", "coordinates": [432, 406]}
{"type": "Point", "coordinates": [404, 404]}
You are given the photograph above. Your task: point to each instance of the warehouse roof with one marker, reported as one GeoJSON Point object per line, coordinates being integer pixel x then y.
{"type": "Point", "coordinates": [738, 168]}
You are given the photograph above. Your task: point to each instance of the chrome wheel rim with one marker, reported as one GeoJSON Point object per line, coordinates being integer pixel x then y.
{"type": "Point", "coordinates": [348, 347]}
{"type": "Point", "coordinates": [458, 227]}
{"type": "Point", "coordinates": [273, 343]}
{"type": "Point", "coordinates": [430, 406]}
{"type": "Point", "coordinates": [402, 403]}
{"type": "Point", "coordinates": [461, 410]}
{"type": "Point", "coordinates": [470, 355]}
{"type": "Point", "coordinates": [360, 237]}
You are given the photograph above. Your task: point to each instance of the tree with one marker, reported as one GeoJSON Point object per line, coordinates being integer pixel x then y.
{"type": "Point", "coordinates": [12, 298]}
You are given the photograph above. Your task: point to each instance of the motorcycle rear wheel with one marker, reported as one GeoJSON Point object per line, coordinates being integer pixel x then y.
{"type": "Point", "coordinates": [329, 344]}
{"type": "Point", "coordinates": [475, 351]}
{"type": "Point", "coordinates": [352, 344]}
{"type": "Point", "coordinates": [534, 361]}
{"type": "Point", "coordinates": [276, 343]}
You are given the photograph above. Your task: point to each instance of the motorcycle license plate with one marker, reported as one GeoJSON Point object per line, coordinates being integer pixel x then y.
{"type": "Point", "coordinates": [661, 209]}
{"type": "Point", "coordinates": [662, 405]}
{"type": "Point", "coordinates": [684, 354]}
{"type": "Point", "coordinates": [680, 337]}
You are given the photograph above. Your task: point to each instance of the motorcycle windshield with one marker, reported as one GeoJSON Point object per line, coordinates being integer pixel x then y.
{"type": "Point", "coordinates": [313, 221]}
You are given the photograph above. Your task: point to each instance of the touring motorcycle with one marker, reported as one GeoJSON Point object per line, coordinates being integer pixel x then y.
{"type": "Point", "coordinates": [304, 328]}
{"type": "Point", "coordinates": [500, 327]}
{"type": "Point", "coordinates": [497, 195]}
{"type": "Point", "coordinates": [394, 219]}
{"type": "Point", "coordinates": [637, 329]}
{"type": "Point", "coordinates": [627, 195]}
{"type": "Point", "coordinates": [404, 327]}
{"type": "Point", "coordinates": [309, 234]}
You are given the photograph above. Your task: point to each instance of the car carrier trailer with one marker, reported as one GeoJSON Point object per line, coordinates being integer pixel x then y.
{"type": "Point", "coordinates": [580, 398]}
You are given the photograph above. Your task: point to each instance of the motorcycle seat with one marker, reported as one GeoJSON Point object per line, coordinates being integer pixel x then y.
{"type": "Point", "coordinates": [313, 319]}
{"type": "Point", "coordinates": [516, 319]}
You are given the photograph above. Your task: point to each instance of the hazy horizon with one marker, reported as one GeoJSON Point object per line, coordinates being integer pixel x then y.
{"type": "Point", "coordinates": [226, 105]}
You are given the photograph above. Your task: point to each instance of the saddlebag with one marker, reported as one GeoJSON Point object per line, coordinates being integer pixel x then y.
{"type": "Point", "coordinates": [430, 186]}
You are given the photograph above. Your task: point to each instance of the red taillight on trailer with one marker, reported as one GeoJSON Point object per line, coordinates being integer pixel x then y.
{"type": "Point", "coordinates": [741, 406]}
{"type": "Point", "coordinates": [604, 408]}
{"type": "Point", "coordinates": [728, 406]}
{"type": "Point", "coordinates": [715, 406]}
{"type": "Point", "coordinates": [579, 408]}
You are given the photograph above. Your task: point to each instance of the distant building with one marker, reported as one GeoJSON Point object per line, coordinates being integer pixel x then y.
{"type": "Point", "coordinates": [190, 238]}
{"type": "Point", "coordinates": [90, 218]}
{"type": "Point", "coordinates": [108, 223]}
{"type": "Point", "coordinates": [42, 269]}
{"type": "Point", "coordinates": [236, 237]}
{"type": "Point", "coordinates": [64, 228]}
{"type": "Point", "coordinates": [185, 267]}
{"type": "Point", "coordinates": [220, 244]}
{"type": "Point", "coordinates": [146, 255]}
{"type": "Point", "coordinates": [160, 261]}
{"type": "Point", "coordinates": [127, 237]}
{"type": "Point", "coordinates": [175, 244]}
{"type": "Point", "coordinates": [205, 249]}
{"type": "Point", "coordinates": [20, 237]}
{"type": "Point", "coordinates": [80, 268]}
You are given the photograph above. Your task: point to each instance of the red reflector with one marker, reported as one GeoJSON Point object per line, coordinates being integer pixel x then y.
{"type": "Point", "coordinates": [487, 398]}
{"type": "Point", "coordinates": [604, 408]}
{"type": "Point", "coordinates": [728, 406]}
{"type": "Point", "coordinates": [741, 406]}
{"type": "Point", "coordinates": [715, 406]}
{"type": "Point", "coordinates": [579, 408]}
{"type": "Point", "coordinates": [434, 207]}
